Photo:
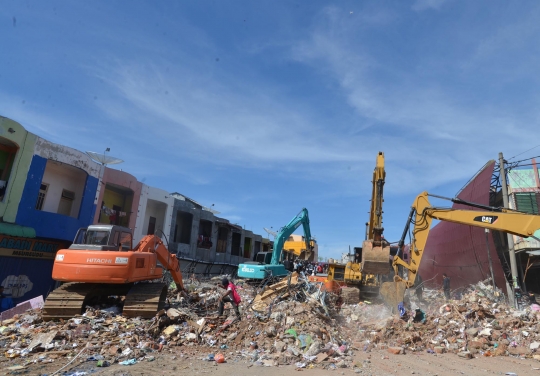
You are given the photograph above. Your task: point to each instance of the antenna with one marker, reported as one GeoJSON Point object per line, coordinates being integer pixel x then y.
{"type": "Point", "coordinates": [104, 159]}
{"type": "Point", "coordinates": [270, 232]}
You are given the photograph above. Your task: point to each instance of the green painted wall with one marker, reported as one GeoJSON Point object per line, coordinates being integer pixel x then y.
{"type": "Point", "coordinates": [522, 178]}
{"type": "Point", "coordinates": [21, 164]}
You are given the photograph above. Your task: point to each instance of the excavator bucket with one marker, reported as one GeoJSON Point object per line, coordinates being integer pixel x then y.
{"type": "Point", "coordinates": [393, 293]}
{"type": "Point", "coordinates": [375, 259]}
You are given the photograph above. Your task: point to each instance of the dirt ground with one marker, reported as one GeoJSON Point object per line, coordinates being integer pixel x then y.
{"type": "Point", "coordinates": [375, 363]}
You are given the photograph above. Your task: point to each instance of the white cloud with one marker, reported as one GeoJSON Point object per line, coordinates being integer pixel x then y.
{"type": "Point", "coordinates": [430, 135]}
{"type": "Point", "coordinates": [420, 5]}
{"type": "Point", "coordinates": [233, 121]}
{"type": "Point", "coordinates": [513, 45]}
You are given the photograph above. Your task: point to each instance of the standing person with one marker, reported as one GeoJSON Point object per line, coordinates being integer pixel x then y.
{"type": "Point", "coordinates": [446, 286]}
{"type": "Point", "coordinates": [5, 301]}
{"type": "Point", "coordinates": [230, 296]}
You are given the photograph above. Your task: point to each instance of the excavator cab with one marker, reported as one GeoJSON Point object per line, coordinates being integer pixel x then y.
{"type": "Point", "coordinates": [103, 238]}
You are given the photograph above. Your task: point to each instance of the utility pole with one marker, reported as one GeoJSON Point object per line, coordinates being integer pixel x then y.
{"type": "Point", "coordinates": [511, 252]}
{"type": "Point", "coordinates": [489, 259]}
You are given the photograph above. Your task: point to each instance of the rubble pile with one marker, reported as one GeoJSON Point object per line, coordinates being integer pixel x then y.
{"type": "Point", "coordinates": [478, 324]}
{"type": "Point", "coordinates": [291, 322]}
{"type": "Point", "coordinates": [297, 326]}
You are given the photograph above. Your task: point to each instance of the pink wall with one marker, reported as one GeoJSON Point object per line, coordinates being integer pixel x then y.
{"type": "Point", "coordinates": [459, 250]}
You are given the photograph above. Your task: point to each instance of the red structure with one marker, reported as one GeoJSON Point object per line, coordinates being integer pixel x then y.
{"type": "Point", "coordinates": [461, 251]}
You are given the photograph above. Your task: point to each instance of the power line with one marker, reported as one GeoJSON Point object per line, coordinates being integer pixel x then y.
{"type": "Point", "coordinates": [526, 159]}
{"type": "Point", "coordinates": [523, 152]}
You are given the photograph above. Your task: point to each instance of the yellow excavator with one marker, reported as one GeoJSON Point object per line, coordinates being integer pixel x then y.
{"type": "Point", "coordinates": [421, 216]}
{"type": "Point", "coordinates": [295, 248]}
{"type": "Point", "coordinates": [372, 260]}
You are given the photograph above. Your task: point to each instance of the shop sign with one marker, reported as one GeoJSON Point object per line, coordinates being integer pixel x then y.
{"type": "Point", "coordinates": [25, 247]}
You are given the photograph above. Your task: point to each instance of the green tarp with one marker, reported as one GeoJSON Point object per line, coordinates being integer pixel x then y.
{"type": "Point", "coordinates": [16, 230]}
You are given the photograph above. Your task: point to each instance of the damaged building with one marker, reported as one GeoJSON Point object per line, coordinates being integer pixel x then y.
{"type": "Point", "coordinates": [49, 191]}
{"type": "Point", "coordinates": [461, 251]}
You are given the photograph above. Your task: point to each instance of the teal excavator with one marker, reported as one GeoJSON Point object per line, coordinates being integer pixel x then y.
{"type": "Point", "coordinates": [267, 264]}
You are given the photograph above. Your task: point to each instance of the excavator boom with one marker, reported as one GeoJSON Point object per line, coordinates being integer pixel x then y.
{"type": "Point", "coordinates": [153, 244]}
{"type": "Point", "coordinates": [505, 220]}
{"type": "Point", "coordinates": [375, 215]}
{"type": "Point", "coordinates": [375, 250]}
{"type": "Point", "coordinates": [259, 270]}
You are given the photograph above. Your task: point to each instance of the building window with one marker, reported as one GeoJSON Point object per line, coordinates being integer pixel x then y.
{"type": "Point", "coordinates": [41, 196]}
{"type": "Point", "coordinates": [223, 234]}
{"type": "Point", "coordinates": [247, 247]}
{"type": "Point", "coordinates": [151, 226]}
{"type": "Point", "coordinates": [182, 230]}
{"type": "Point", "coordinates": [528, 202]}
{"type": "Point", "coordinates": [236, 245]}
{"type": "Point", "coordinates": [8, 150]}
{"type": "Point", "coordinates": [205, 232]}
{"type": "Point", "coordinates": [66, 202]}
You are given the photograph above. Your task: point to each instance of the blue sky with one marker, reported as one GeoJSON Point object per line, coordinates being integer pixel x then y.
{"type": "Point", "coordinates": [262, 108]}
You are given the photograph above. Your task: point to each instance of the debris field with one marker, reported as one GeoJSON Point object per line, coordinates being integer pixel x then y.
{"type": "Point", "coordinates": [293, 322]}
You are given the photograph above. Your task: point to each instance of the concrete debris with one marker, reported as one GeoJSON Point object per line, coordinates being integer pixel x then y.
{"type": "Point", "coordinates": [294, 322]}
{"type": "Point", "coordinates": [477, 324]}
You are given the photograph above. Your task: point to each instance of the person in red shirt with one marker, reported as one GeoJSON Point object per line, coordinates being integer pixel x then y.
{"type": "Point", "coordinates": [230, 296]}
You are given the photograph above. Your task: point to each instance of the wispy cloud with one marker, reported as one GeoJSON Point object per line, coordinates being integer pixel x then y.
{"type": "Point", "coordinates": [420, 5]}
{"type": "Point", "coordinates": [235, 122]}
{"type": "Point", "coordinates": [430, 132]}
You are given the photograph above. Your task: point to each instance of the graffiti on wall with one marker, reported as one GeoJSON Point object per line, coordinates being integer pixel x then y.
{"type": "Point", "coordinates": [17, 285]}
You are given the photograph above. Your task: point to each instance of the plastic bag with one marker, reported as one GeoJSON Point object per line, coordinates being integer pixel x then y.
{"type": "Point", "coordinates": [219, 358]}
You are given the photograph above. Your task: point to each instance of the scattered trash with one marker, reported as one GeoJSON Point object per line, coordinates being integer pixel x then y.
{"type": "Point", "coordinates": [128, 362]}
{"type": "Point", "coordinates": [295, 322]}
{"type": "Point", "coordinates": [103, 363]}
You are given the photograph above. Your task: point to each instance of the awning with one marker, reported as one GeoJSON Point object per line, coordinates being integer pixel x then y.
{"type": "Point", "coordinates": [16, 230]}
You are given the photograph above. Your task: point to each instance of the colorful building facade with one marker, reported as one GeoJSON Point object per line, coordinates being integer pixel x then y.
{"type": "Point", "coordinates": [48, 194]}
{"type": "Point", "coordinates": [49, 191]}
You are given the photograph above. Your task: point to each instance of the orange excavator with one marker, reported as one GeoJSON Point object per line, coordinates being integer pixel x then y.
{"type": "Point", "coordinates": [101, 263]}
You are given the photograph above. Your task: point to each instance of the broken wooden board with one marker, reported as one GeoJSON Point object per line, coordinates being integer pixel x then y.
{"type": "Point", "coordinates": [42, 340]}
{"type": "Point", "coordinates": [262, 300]}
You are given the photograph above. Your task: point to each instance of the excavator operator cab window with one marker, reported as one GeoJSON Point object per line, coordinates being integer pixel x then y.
{"type": "Point", "coordinates": [125, 240]}
{"type": "Point", "coordinates": [97, 237]}
{"type": "Point", "coordinates": [116, 238]}
{"type": "Point", "coordinates": [80, 238]}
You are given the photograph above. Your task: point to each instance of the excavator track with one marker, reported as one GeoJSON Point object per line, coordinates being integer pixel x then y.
{"type": "Point", "coordinates": [145, 300]}
{"type": "Point", "coordinates": [67, 301]}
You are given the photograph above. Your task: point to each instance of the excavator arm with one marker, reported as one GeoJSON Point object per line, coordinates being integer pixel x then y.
{"type": "Point", "coordinates": [375, 228]}
{"type": "Point", "coordinates": [421, 216]}
{"type": "Point", "coordinates": [301, 219]}
{"type": "Point", "coordinates": [153, 244]}
{"type": "Point", "coordinates": [375, 250]}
